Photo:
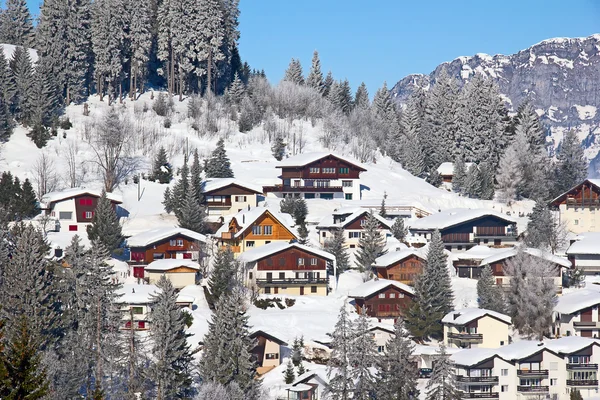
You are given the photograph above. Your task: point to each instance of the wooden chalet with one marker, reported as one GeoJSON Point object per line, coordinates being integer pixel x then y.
{"type": "Point", "coordinates": [267, 352]}
{"type": "Point", "coordinates": [382, 299]}
{"type": "Point", "coordinates": [318, 175]}
{"type": "Point", "coordinates": [579, 207]}
{"type": "Point", "coordinates": [403, 266]}
{"type": "Point", "coordinates": [227, 196]}
{"type": "Point", "coordinates": [351, 221]}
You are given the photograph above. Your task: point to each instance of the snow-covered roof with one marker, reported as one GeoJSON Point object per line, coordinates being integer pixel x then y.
{"type": "Point", "coordinates": [570, 344]}
{"type": "Point", "coordinates": [53, 197]}
{"type": "Point", "coordinates": [171, 263]}
{"type": "Point", "coordinates": [395, 256]}
{"type": "Point", "coordinates": [425, 350]}
{"type": "Point", "coordinates": [447, 168]}
{"type": "Point", "coordinates": [247, 218]}
{"type": "Point", "coordinates": [133, 293]}
{"type": "Point", "coordinates": [563, 262]}
{"type": "Point", "coordinates": [578, 300]}
{"type": "Point", "coordinates": [520, 349]}
{"type": "Point", "coordinates": [218, 183]}
{"type": "Point", "coordinates": [466, 315]}
{"type": "Point", "coordinates": [300, 160]}
{"type": "Point", "coordinates": [375, 285]}
{"type": "Point", "coordinates": [473, 356]}
{"type": "Point", "coordinates": [356, 213]}
{"type": "Point", "coordinates": [455, 216]}
{"type": "Point", "coordinates": [320, 372]}
{"type": "Point", "coordinates": [258, 253]}
{"type": "Point", "coordinates": [151, 236]}
{"type": "Point", "coordinates": [478, 252]}
{"type": "Point", "coordinates": [586, 243]}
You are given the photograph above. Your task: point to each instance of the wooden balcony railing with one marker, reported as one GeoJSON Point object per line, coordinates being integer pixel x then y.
{"type": "Point", "coordinates": [292, 281]}
{"type": "Point", "coordinates": [582, 382]}
{"type": "Point", "coordinates": [585, 323]}
{"type": "Point", "coordinates": [532, 372]}
{"type": "Point", "coordinates": [302, 189]}
{"type": "Point", "coordinates": [235, 249]}
{"type": "Point", "coordinates": [465, 336]}
{"type": "Point", "coordinates": [227, 235]}
{"type": "Point", "coordinates": [533, 389]}
{"type": "Point", "coordinates": [583, 366]}
{"type": "Point", "coordinates": [479, 395]}
{"type": "Point", "coordinates": [477, 379]}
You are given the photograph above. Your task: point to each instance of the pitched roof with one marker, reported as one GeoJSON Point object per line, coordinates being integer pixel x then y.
{"type": "Point", "coordinates": [246, 218]}
{"type": "Point", "coordinates": [53, 197]}
{"type": "Point", "coordinates": [563, 262]}
{"type": "Point", "coordinates": [395, 256]}
{"type": "Point", "coordinates": [259, 332]}
{"type": "Point", "coordinates": [578, 300]}
{"type": "Point", "coordinates": [472, 356]}
{"type": "Point", "coordinates": [585, 243]}
{"type": "Point", "coordinates": [300, 160]}
{"type": "Point", "coordinates": [218, 183]}
{"type": "Point", "coordinates": [133, 293]}
{"type": "Point", "coordinates": [171, 263]}
{"type": "Point", "coordinates": [376, 285]}
{"type": "Point", "coordinates": [594, 182]}
{"type": "Point", "coordinates": [151, 236]}
{"type": "Point", "coordinates": [447, 168]}
{"type": "Point", "coordinates": [456, 216]}
{"type": "Point", "coordinates": [466, 315]}
{"type": "Point", "coordinates": [327, 222]}
{"type": "Point", "coordinates": [258, 253]}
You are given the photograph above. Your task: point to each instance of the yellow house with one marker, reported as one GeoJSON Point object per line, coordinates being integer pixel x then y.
{"type": "Point", "coordinates": [267, 352]}
{"type": "Point", "coordinates": [180, 272]}
{"type": "Point", "coordinates": [476, 327]}
{"type": "Point", "coordinates": [255, 227]}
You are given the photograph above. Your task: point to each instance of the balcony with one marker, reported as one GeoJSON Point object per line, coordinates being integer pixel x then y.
{"type": "Point", "coordinates": [582, 382]}
{"type": "Point", "coordinates": [533, 389]}
{"type": "Point", "coordinates": [465, 336]}
{"type": "Point", "coordinates": [218, 203]}
{"type": "Point", "coordinates": [479, 395]}
{"type": "Point", "coordinates": [532, 372]}
{"type": "Point", "coordinates": [291, 281]}
{"type": "Point", "coordinates": [477, 379]}
{"type": "Point", "coordinates": [593, 367]}
{"type": "Point", "coordinates": [586, 324]}
{"type": "Point", "coordinates": [302, 189]}
{"type": "Point", "coordinates": [227, 235]}
{"type": "Point", "coordinates": [234, 249]}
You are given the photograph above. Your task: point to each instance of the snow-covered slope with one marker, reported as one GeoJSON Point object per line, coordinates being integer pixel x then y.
{"type": "Point", "coordinates": [9, 49]}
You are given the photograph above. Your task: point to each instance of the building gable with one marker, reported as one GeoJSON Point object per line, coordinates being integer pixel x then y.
{"type": "Point", "coordinates": [279, 230]}
{"type": "Point", "coordinates": [585, 194]}
{"type": "Point", "coordinates": [288, 259]}
{"type": "Point", "coordinates": [231, 189]}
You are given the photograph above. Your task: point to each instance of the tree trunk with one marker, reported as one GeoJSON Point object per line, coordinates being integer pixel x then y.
{"type": "Point", "coordinates": [180, 85]}
{"type": "Point", "coordinates": [209, 76]}
{"type": "Point", "coordinates": [171, 79]}
{"type": "Point", "coordinates": [68, 99]}
{"type": "Point", "coordinates": [131, 82]}
{"type": "Point", "coordinates": [98, 383]}
{"type": "Point", "coordinates": [99, 87]}
{"type": "Point", "coordinates": [120, 92]}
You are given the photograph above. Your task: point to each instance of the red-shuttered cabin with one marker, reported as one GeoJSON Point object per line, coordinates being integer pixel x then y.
{"type": "Point", "coordinates": [382, 298]}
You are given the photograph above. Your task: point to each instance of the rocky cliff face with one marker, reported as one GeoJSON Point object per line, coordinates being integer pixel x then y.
{"type": "Point", "coordinates": [560, 76]}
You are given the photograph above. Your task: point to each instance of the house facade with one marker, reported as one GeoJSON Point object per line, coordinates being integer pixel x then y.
{"type": "Point", "coordinates": [578, 314]}
{"type": "Point", "coordinates": [383, 299]}
{"type": "Point", "coordinates": [318, 176]}
{"type": "Point", "coordinates": [310, 386]}
{"type": "Point", "coordinates": [288, 268]}
{"type": "Point", "coordinates": [226, 196]}
{"type": "Point", "coordinates": [72, 210]}
{"type": "Point", "coordinates": [267, 352]}
{"type": "Point", "coordinates": [180, 272]}
{"type": "Point", "coordinates": [584, 253]}
{"type": "Point", "coordinates": [163, 243]}
{"type": "Point", "coordinates": [462, 228]}
{"type": "Point", "coordinates": [579, 208]}
{"type": "Point", "coordinates": [256, 227]}
{"type": "Point", "coordinates": [403, 266]}
{"type": "Point", "coordinates": [476, 327]}
{"type": "Point", "coordinates": [351, 221]}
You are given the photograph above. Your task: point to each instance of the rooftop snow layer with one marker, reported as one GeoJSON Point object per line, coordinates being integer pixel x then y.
{"type": "Point", "coordinates": [455, 216]}
{"type": "Point", "coordinates": [151, 236]}
{"type": "Point", "coordinates": [447, 168]}
{"type": "Point", "coordinates": [586, 243]}
{"type": "Point", "coordinates": [578, 300]}
{"type": "Point", "coordinates": [533, 252]}
{"type": "Point", "coordinates": [133, 293]}
{"type": "Point", "coordinates": [246, 218]}
{"type": "Point", "coordinates": [303, 159]}
{"type": "Point", "coordinates": [467, 315]}
{"type": "Point", "coordinates": [395, 256]}
{"type": "Point", "coordinates": [327, 222]}
{"type": "Point", "coordinates": [170, 263]}
{"type": "Point", "coordinates": [375, 285]}
{"type": "Point", "coordinates": [218, 183]}
{"type": "Point", "coordinates": [53, 197]}
{"type": "Point", "coordinates": [472, 356]}
{"type": "Point", "coordinates": [478, 252]}
{"type": "Point", "coordinates": [274, 247]}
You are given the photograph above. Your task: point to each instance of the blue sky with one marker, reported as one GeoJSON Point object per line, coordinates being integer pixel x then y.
{"type": "Point", "coordinates": [384, 40]}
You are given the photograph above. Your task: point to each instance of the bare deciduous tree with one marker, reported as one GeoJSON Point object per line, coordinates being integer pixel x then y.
{"type": "Point", "coordinates": [76, 168]}
{"type": "Point", "coordinates": [44, 175]}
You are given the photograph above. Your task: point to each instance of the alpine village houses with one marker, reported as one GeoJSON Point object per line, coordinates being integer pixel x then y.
{"type": "Point", "coordinates": [579, 208]}
{"type": "Point", "coordinates": [351, 221]}
{"type": "Point", "coordinates": [383, 299]}
{"type": "Point", "coordinates": [73, 209]}
{"type": "Point", "coordinates": [288, 268]}
{"type": "Point", "coordinates": [225, 196]}
{"type": "Point", "coordinates": [318, 176]}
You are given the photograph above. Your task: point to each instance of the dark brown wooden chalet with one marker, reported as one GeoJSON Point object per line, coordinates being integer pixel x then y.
{"type": "Point", "coordinates": [227, 195]}
{"type": "Point", "coordinates": [318, 175]}
{"type": "Point", "coordinates": [382, 298]}
{"type": "Point", "coordinates": [163, 243]}
{"type": "Point", "coordinates": [403, 266]}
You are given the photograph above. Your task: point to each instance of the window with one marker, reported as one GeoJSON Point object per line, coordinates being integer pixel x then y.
{"type": "Point", "coordinates": [179, 243]}
{"type": "Point", "coordinates": [329, 170]}
{"type": "Point", "coordinates": [269, 261]}
{"type": "Point", "coordinates": [348, 196]}
{"type": "Point", "coordinates": [240, 199]}
{"type": "Point", "coordinates": [267, 290]}
{"type": "Point", "coordinates": [88, 214]}
{"type": "Point", "coordinates": [553, 382]}
{"type": "Point", "coordinates": [502, 343]}
{"type": "Point", "coordinates": [576, 222]}
{"type": "Point", "coordinates": [309, 182]}
{"type": "Point", "coordinates": [257, 230]}
{"type": "Point", "coordinates": [65, 215]}
{"type": "Point", "coordinates": [137, 255]}
{"type": "Point", "coordinates": [363, 222]}
{"type": "Point", "coordinates": [250, 275]}
{"type": "Point", "coordinates": [352, 246]}
{"type": "Point", "coordinates": [173, 242]}
{"type": "Point", "coordinates": [313, 289]}
{"type": "Point", "coordinates": [504, 372]}
{"type": "Point", "coordinates": [380, 349]}
{"type": "Point", "coordinates": [504, 388]}
{"type": "Point", "coordinates": [344, 170]}
{"type": "Point", "coordinates": [268, 229]}
{"type": "Point", "coordinates": [158, 256]}
{"type": "Point", "coordinates": [272, 356]}
{"type": "Point", "coordinates": [313, 261]}
{"type": "Point", "coordinates": [141, 324]}
{"type": "Point", "coordinates": [282, 275]}
{"type": "Point", "coordinates": [346, 183]}
{"type": "Point", "coordinates": [314, 170]}
{"type": "Point", "coordinates": [137, 310]}
{"type": "Point", "coordinates": [300, 261]}
{"type": "Point", "coordinates": [250, 243]}
{"type": "Point", "coordinates": [392, 295]}
{"type": "Point", "coordinates": [323, 234]}
{"type": "Point", "coordinates": [72, 228]}
{"type": "Point", "coordinates": [354, 235]}
{"type": "Point", "coordinates": [400, 295]}
{"type": "Point", "coordinates": [381, 295]}
{"type": "Point", "coordinates": [281, 261]}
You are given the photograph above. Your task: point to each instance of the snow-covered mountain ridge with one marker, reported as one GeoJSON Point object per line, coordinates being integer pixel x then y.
{"type": "Point", "coordinates": [561, 76]}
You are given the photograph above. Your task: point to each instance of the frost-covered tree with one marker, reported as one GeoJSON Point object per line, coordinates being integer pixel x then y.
{"type": "Point", "coordinates": [278, 148]}
{"type": "Point", "coordinates": [340, 96]}
{"type": "Point", "coordinates": [174, 200]}
{"type": "Point", "coordinates": [139, 38]}
{"type": "Point", "coordinates": [44, 101]}
{"type": "Point", "coordinates": [473, 182]}
{"type": "Point", "coordinates": [161, 168]}
{"type": "Point", "coordinates": [327, 83]}
{"type": "Point", "coordinates": [459, 175]}
{"type": "Point", "coordinates": [385, 112]}
{"type": "Point", "coordinates": [196, 177]}
{"type": "Point", "coordinates": [16, 24]}
{"type": "Point", "coordinates": [543, 229]}
{"type": "Point", "coordinates": [510, 175]}
{"type": "Point", "coordinates": [218, 166]}
{"type": "Point", "coordinates": [171, 371]}
{"type": "Point", "coordinates": [396, 374]}
{"type": "Point", "coordinates": [105, 226]}
{"type": "Point", "coordinates": [289, 374]}
{"type": "Point", "coordinates": [7, 89]}
{"type": "Point", "coordinates": [571, 167]}
{"type": "Point", "coordinates": [315, 76]}
{"type": "Point", "coordinates": [362, 356]}
{"type": "Point", "coordinates": [236, 91]}
{"type": "Point", "coordinates": [489, 295]}
{"type": "Point", "coordinates": [361, 97]}
{"type": "Point", "coordinates": [382, 210]}
{"type": "Point", "coordinates": [22, 72]}
{"type": "Point", "coordinates": [443, 384]}
{"type": "Point", "coordinates": [399, 231]}
{"type": "Point", "coordinates": [223, 275]}
{"type": "Point", "coordinates": [487, 181]}
{"type": "Point", "coordinates": [191, 215]}
{"type": "Point", "coordinates": [339, 368]}
{"type": "Point", "coordinates": [409, 151]}
{"type": "Point", "coordinates": [336, 246]}
{"type": "Point", "coordinates": [532, 295]}
{"type": "Point", "coordinates": [371, 244]}
{"type": "Point", "coordinates": [294, 72]}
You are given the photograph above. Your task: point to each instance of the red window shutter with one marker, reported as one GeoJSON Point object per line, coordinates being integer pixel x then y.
{"type": "Point", "coordinates": [89, 202]}
{"type": "Point", "coordinates": [83, 215]}
{"type": "Point", "coordinates": [381, 307]}
{"type": "Point", "coordinates": [82, 202]}
{"type": "Point", "coordinates": [187, 256]}
{"type": "Point", "coordinates": [128, 324]}
{"type": "Point", "coordinates": [142, 324]}
{"type": "Point", "coordinates": [72, 227]}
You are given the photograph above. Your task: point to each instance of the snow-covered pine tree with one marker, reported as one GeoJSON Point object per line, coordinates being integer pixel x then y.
{"type": "Point", "coordinates": [139, 43]}
{"type": "Point", "coordinates": [362, 356]}
{"type": "Point", "coordinates": [289, 374]}
{"type": "Point", "coordinates": [443, 384]}
{"type": "Point", "coordinates": [489, 295]}
{"type": "Point", "coordinates": [530, 124]}
{"type": "Point", "coordinates": [339, 369]}
{"type": "Point", "coordinates": [571, 167]}
{"type": "Point", "coordinates": [191, 215]}
{"type": "Point", "coordinates": [300, 211]}
{"type": "Point", "coordinates": [219, 166]}
{"type": "Point", "coordinates": [223, 276]}
{"type": "Point", "coordinates": [532, 295]}
{"type": "Point", "coordinates": [315, 76]}
{"type": "Point", "coordinates": [382, 211]}
{"type": "Point", "coordinates": [211, 19]}
{"type": "Point", "coordinates": [385, 112]}
{"type": "Point", "coordinates": [236, 91]}
{"type": "Point", "coordinates": [396, 375]}
{"type": "Point", "coordinates": [336, 246]}
{"type": "Point", "coordinates": [487, 181]}
{"type": "Point", "coordinates": [6, 86]}
{"type": "Point", "coordinates": [294, 73]}
{"type": "Point", "coordinates": [575, 394]}
{"type": "Point", "coordinates": [361, 97]}
{"type": "Point", "coordinates": [44, 101]}
{"type": "Point", "coordinates": [370, 245]}
{"type": "Point", "coordinates": [327, 83]}
{"type": "Point", "coordinates": [303, 233]}
{"type": "Point", "coordinates": [22, 71]}
{"type": "Point", "coordinates": [340, 96]}
{"type": "Point", "coordinates": [16, 24]}
{"type": "Point", "coordinates": [278, 148]}
{"type": "Point", "coordinates": [472, 182]}
{"type": "Point", "coordinates": [27, 203]}
{"type": "Point", "coordinates": [176, 198]}
{"type": "Point", "coordinates": [544, 231]}
{"type": "Point", "coordinates": [509, 174]}
{"type": "Point", "coordinates": [410, 152]}
{"type": "Point", "coordinates": [105, 226]}
{"type": "Point", "coordinates": [171, 370]}
{"type": "Point", "coordinates": [437, 269]}
{"type": "Point", "coordinates": [398, 229]}
{"type": "Point", "coordinates": [161, 169]}
{"type": "Point", "coordinates": [459, 176]}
